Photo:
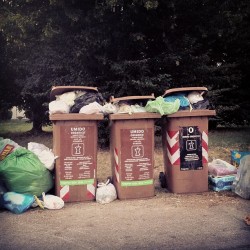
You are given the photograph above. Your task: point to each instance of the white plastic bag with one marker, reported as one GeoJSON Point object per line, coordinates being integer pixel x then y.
{"type": "Point", "coordinates": [195, 97]}
{"type": "Point", "coordinates": [69, 97]}
{"type": "Point", "coordinates": [58, 107]}
{"type": "Point", "coordinates": [105, 193]}
{"type": "Point", "coordinates": [109, 108]}
{"type": "Point", "coordinates": [44, 154]}
{"type": "Point", "coordinates": [92, 108]}
{"type": "Point", "coordinates": [52, 201]}
{"type": "Point", "coordinates": [220, 168]}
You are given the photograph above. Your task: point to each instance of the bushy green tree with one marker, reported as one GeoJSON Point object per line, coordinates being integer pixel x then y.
{"type": "Point", "coordinates": [134, 47]}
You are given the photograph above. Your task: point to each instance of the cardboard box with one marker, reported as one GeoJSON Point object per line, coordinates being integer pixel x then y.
{"type": "Point", "coordinates": [221, 183]}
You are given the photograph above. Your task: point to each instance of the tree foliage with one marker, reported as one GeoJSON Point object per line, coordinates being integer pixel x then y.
{"type": "Point", "coordinates": [123, 47]}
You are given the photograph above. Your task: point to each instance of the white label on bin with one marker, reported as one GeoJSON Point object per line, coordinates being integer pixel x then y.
{"type": "Point", "coordinates": [77, 153]}
{"type": "Point", "coordinates": [136, 155]}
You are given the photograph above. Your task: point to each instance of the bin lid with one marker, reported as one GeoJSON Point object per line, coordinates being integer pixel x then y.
{"type": "Point", "coordinates": [185, 89]}
{"type": "Point", "coordinates": [76, 117]}
{"type": "Point", "coordinates": [193, 113]}
{"type": "Point", "coordinates": [126, 98]}
{"type": "Point", "coordinates": [59, 90]}
{"type": "Point", "coordinates": [135, 116]}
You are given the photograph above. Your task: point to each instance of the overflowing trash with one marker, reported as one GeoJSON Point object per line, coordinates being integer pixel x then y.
{"type": "Point", "coordinates": [92, 102]}
{"type": "Point", "coordinates": [159, 105]}
{"type": "Point", "coordinates": [24, 174]}
{"type": "Point", "coordinates": [86, 102]}
{"type": "Point", "coordinates": [175, 100]}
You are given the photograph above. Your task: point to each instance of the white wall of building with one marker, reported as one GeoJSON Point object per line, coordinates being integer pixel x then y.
{"type": "Point", "coordinates": [16, 113]}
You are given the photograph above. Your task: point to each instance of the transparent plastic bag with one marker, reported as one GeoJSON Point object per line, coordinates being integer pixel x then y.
{"type": "Point", "coordinates": [105, 193]}
{"type": "Point", "coordinates": [160, 106]}
{"type": "Point", "coordinates": [220, 168]}
{"type": "Point", "coordinates": [44, 154]}
{"type": "Point", "coordinates": [241, 185]}
{"type": "Point", "coordinates": [52, 201]}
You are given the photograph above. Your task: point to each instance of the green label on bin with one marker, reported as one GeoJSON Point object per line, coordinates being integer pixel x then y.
{"type": "Point", "coordinates": [76, 182]}
{"type": "Point", "coordinates": [136, 183]}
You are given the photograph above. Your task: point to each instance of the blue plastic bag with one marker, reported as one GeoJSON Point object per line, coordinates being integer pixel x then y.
{"type": "Point", "coordinates": [17, 203]}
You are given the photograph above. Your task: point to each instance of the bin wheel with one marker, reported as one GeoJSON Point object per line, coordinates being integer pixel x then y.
{"type": "Point", "coordinates": [163, 180]}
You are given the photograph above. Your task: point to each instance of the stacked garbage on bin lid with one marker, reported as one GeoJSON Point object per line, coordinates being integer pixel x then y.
{"type": "Point", "coordinates": [173, 100]}
{"type": "Point", "coordinates": [90, 101]}
{"type": "Point", "coordinates": [25, 175]}
{"type": "Point", "coordinates": [86, 101]}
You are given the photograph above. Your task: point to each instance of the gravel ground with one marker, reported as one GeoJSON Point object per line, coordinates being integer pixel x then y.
{"type": "Point", "coordinates": [210, 220]}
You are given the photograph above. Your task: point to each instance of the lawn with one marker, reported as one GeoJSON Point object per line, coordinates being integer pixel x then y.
{"type": "Point", "coordinates": [221, 142]}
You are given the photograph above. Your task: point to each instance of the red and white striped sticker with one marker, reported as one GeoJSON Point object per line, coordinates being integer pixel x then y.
{"type": "Point", "coordinates": [116, 165]}
{"type": "Point", "coordinates": [90, 191]}
{"type": "Point", "coordinates": [64, 192]}
{"type": "Point", "coordinates": [205, 147]}
{"type": "Point", "coordinates": [173, 150]}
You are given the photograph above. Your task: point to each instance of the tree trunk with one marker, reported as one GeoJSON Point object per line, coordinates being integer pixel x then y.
{"type": "Point", "coordinates": [37, 123]}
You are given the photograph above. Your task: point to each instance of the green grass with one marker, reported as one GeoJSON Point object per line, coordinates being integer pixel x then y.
{"type": "Point", "coordinates": [15, 126]}
{"type": "Point", "coordinates": [18, 126]}
{"type": "Point", "coordinates": [233, 138]}
{"type": "Point", "coordinates": [18, 131]}
{"type": "Point", "coordinates": [228, 138]}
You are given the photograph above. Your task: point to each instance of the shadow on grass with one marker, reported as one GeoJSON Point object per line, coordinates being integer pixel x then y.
{"type": "Point", "coordinates": [23, 138]}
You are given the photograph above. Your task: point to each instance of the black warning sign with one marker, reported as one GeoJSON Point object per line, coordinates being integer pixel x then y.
{"type": "Point", "coordinates": [190, 148]}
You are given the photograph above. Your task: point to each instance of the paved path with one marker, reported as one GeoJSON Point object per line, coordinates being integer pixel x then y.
{"type": "Point", "coordinates": [167, 221]}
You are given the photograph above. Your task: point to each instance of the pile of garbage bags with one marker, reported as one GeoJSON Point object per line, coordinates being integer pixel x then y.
{"type": "Point", "coordinates": [24, 174]}
{"type": "Point", "coordinates": [178, 101]}
{"type": "Point", "coordinates": [92, 102]}
{"type": "Point", "coordinates": [226, 176]}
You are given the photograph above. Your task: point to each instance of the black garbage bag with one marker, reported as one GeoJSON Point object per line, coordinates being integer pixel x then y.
{"type": "Point", "coordinates": [204, 104]}
{"type": "Point", "coordinates": [86, 99]}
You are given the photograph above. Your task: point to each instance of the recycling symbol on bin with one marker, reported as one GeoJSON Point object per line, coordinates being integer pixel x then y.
{"type": "Point", "coordinates": [191, 145]}
{"type": "Point", "coordinates": [77, 149]}
{"type": "Point", "coordinates": [137, 151]}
